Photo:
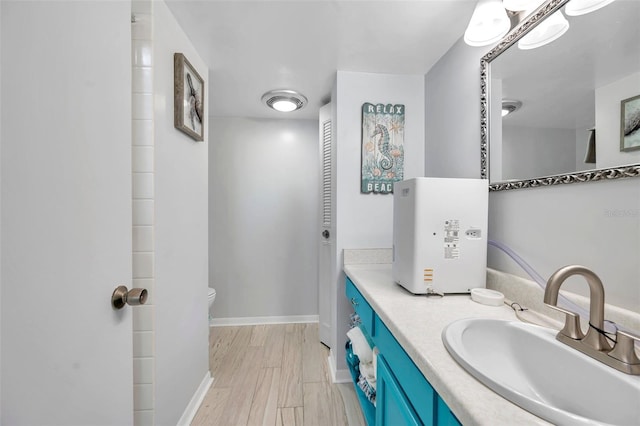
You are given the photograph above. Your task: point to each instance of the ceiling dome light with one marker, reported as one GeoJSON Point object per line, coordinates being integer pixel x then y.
{"type": "Point", "coordinates": [547, 31]}
{"type": "Point", "coordinates": [284, 100]}
{"type": "Point", "coordinates": [284, 105]}
{"type": "Point", "coordinates": [510, 106]}
{"type": "Point", "coordinates": [488, 24]}
{"type": "Point", "coordinates": [582, 7]}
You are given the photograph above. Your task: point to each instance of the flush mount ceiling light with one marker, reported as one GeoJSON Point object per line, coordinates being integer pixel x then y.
{"type": "Point", "coordinates": [489, 23]}
{"type": "Point", "coordinates": [284, 100]}
{"type": "Point", "coordinates": [582, 7]}
{"type": "Point", "coordinates": [509, 106]}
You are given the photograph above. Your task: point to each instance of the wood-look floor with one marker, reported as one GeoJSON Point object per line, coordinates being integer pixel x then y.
{"type": "Point", "coordinates": [273, 375]}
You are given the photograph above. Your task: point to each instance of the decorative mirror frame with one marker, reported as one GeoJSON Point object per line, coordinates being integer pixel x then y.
{"type": "Point", "coordinates": [551, 6]}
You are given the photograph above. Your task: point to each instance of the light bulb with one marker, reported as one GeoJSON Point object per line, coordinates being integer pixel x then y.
{"type": "Point", "coordinates": [547, 31]}
{"type": "Point", "coordinates": [488, 24]}
{"type": "Point", "coordinates": [284, 105]}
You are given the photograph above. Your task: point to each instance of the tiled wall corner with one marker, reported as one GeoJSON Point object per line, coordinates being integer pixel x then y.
{"type": "Point", "coordinates": [142, 166]}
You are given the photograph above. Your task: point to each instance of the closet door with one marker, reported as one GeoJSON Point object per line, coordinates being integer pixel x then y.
{"type": "Point", "coordinates": [326, 232]}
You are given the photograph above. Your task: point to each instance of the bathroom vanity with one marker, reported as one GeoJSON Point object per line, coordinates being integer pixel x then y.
{"type": "Point", "coordinates": [418, 382]}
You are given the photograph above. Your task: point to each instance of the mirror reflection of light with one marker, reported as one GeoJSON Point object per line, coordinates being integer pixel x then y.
{"type": "Point", "coordinates": [549, 30]}
{"type": "Point", "coordinates": [582, 7]}
{"type": "Point", "coordinates": [509, 106]}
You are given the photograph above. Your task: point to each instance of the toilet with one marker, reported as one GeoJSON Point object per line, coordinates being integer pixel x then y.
{"type": "Point", "coordinates": [211, 297]}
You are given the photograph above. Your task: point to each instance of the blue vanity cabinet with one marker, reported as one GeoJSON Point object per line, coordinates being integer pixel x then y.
{"type": "Point", "coordinates": [420, 394]}
{"type": "Point", "coordinates": [444, 415]}
{"type": "Point", "coordinates": [361, 307]}
{"type": "Point", "coordinates": [392, 406]}
{"type": "Point", "coordinates": [367, 315]}
{"type": "Point", "coordinates": [404, 396]}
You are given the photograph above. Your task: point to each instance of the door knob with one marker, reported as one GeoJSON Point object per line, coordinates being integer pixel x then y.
{"type": "Point", "coordinates": [325, 233]}
{"type": "Point", "coordinates": [122, 296]}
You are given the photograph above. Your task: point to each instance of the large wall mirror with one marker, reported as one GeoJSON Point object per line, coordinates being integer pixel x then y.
{"type": "Point", "coordinates": [573, 93]}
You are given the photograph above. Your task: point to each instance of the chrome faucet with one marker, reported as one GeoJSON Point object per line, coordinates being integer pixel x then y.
{"type": "Point", "coordinates": [594, 344]}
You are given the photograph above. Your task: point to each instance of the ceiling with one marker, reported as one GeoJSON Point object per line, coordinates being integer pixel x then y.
{"type": "Point", "coordinates": [252, 47]}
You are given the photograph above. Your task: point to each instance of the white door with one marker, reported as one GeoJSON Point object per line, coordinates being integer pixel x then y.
{"type": "Point", "coordinates": [326, 232]}
{"type": "Point", "coordinates": [66, 212]}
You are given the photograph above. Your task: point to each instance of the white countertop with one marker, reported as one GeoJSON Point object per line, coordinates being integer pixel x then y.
{"type": "Point", "coordinates": [417, 323]}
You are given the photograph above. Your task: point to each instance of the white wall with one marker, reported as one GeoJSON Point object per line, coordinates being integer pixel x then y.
{"type": "Point", "coordinates": [0, 218]}
{"type": "Point", "coordinates": [534, 151]}
{"type": "Point", "coordinates": [181, 234]}
{"type": "Point", "coordinates": [366, 220]}
{"type": "Point", "coordinates": [608, 122]}
{"type": "Point", "coordinates": [597, 224]}
{"type": "Point", "coordinates": [452, 108]}
{"type": "Point", "coordinates": [263, 191]}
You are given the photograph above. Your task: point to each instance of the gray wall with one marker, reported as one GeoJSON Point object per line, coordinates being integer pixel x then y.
{"type": "Point", "coordinates": [595, 224]}
{"type": "Point", "coordinates": [264, 183]}
{"type": "Point", "coordinates": [531, 152]}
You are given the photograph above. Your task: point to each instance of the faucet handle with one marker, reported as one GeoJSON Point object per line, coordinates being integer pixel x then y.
{"type": "Point", "coordinates": [571, 327]}
{"type": "Point", "coordinates": [624, 349]}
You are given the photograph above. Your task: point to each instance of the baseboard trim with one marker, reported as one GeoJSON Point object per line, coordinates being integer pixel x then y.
{"type": "Point", "coordinates": [338, 376]}
{"type": "Point", "coordinates": [196, 401]}
{"type": "Point", "coordinates": [264, 320]}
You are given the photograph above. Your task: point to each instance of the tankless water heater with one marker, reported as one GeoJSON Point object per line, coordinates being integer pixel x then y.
{"type": "Point", "coordinates": [440, 234]}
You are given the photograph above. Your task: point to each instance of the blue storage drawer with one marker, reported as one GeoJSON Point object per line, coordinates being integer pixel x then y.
{"type": "Point", "coordinates": [361, 307]}
{"type": "Point", "coordinates": [419, 392]}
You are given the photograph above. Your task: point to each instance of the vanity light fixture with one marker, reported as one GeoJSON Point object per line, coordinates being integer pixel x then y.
{"type": "Point", "coordinates": [549, 30]}
{"type": "Point", "coordinates": [284, 100]}
{"type": "Point", "coordinates": [490, 21]}
{"type": "Point", "coordinates": [582, 7]}
{"type": "Point", "coordinates": [509, 106]}
{"type": "Point", "coordinates": [488, 24]}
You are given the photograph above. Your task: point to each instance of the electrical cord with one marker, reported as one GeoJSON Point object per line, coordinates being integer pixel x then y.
{"type": "Point", "coordinates": [606, 334]}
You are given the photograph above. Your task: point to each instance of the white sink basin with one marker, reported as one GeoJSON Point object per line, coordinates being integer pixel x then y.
{"type": "Point", "coordinates": [526, 365]}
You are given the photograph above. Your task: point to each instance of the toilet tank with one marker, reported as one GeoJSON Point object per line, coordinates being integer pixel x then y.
{"type": "Point", "coordinates": [440, 234]}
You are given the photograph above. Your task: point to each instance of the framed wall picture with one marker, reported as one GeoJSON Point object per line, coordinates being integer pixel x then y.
{"type": "Point", "coordinates": [188, 111]}
{"type": "Point", "coordinates": [382, 147]}
{"type": "Point", "coordinates": [630, 124]}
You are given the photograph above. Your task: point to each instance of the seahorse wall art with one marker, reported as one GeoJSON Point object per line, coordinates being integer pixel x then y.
{"type": "Point", "coordinates": [382, 147]}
